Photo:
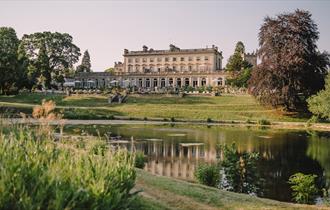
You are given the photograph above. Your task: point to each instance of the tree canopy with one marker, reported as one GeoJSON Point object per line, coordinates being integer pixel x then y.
{"type": "Point", "coordinates": [319, 104]}
{"type": "Point", "coordinates": [49, 54]}
{"type": "Point", "coordinates": [85, 65]}
{"type": "Point", "coordinates": [11, 69]}
{"type": "Point", "coordinates": [291, 68]}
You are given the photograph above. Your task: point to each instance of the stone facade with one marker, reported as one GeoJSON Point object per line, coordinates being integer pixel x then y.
{"type": "Point", "coordinates": [156, 69]}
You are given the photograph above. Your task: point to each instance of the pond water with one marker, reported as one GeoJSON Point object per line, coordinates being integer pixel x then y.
{"type": "Point", "coordinates": [175, 150]}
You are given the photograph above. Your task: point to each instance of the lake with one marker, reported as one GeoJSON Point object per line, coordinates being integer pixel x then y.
{"type": "Point", "coordinates": [175, 150]}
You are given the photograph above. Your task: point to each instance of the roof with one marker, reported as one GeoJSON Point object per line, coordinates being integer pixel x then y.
{"type": "Point", "coordinates": [171, 52]}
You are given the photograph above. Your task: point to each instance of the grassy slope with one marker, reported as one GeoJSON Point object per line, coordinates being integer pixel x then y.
{"type": "Point", "coordinates": [166, 193]}
{"type": "Point", "coordinates": [217, 108]}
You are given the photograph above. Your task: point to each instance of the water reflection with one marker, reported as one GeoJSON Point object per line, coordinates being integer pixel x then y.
{"type": "Point", "coordinates": [175, 151]}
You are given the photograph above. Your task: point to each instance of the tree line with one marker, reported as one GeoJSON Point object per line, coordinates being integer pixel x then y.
{"type": "Point", "coordinates": [37, 60]}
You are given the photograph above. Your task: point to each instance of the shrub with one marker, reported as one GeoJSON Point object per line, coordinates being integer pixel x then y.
{"type": "Point", "coordinates": [140, 160]}
{"type": "Point", "coordinates": [264, 122]}
{"type": "Point", "coordinates": [208, 174]}
{"type": "Point", "coordinates": [209, 120]}
{"type": "Point", "coordinates": [41, 174]}
{"type": "Point", "coordinates": [303, 187]}
{"type": "Point", "coordinates": [172, 119]}
{"type": "Point", "coordinates": [239, 170]}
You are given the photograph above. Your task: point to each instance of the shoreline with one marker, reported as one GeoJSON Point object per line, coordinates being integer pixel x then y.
{"type": "Point", "coordinates": [154, 121]}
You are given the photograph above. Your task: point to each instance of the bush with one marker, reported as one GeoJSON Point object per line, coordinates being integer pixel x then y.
{"type": "Point", "coordinates": [209, 120]}
{"type": "Point", "coordinates": [208, 174]}
{"type": "Point", "coordinates": [140, 160]}
{"type": "Point", "coordinates": [37, 173]}
{"type": "Point", "coordinates": [172, 119]}
{"type": "Point", "coordinates": [303, 187]}
{"type": "Point", "coordinates": [239, 170]}
{"type": "Point", "coordinates": [264, 122]}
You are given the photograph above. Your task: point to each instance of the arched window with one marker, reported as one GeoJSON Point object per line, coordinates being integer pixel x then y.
{"type": "Point", "coordinates": [147, 82]}
{"type": "Point", "coordinates": [170, 81]}
{"type": "Point", "coordinates": [178, 82]}
{"type": "Point", "coordinates": [220, 81]}
{"type": "Point", "coordinates": [186, 82]}
{"type": "Point", "coordinates": [203, 82]}
{"type": "Point", "coordinates": [155, 82]}
{"type": "Point", "coordinates": [140, 83]}
{"type": "Point", "coordinates": [162, 82]}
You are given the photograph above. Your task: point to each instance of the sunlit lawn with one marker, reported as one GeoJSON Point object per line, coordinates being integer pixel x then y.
{"type": "Point", "coordinates": [225, 107]}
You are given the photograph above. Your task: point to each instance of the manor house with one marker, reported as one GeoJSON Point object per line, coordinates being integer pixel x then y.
{"type": "Point", "coordinates": [151, 69]}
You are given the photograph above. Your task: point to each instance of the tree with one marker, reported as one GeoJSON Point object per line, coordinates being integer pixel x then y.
{"type": "Point", "coordinates": [110, 70]}
{"type": "Point", "coordinates": [11, 67]}
{"type": "Point", "coordinates": [235, 61]}
{"type": "Point", "coordinates": [319, 104]}
{"type": "Point", "coordinates": [49, 54]}
{"type": "Point", "coordinates": [291, 69]}
{"type": "Point", "coordinates": [85, 65]}
{"type": "Point", "coordinates": [241, 69]}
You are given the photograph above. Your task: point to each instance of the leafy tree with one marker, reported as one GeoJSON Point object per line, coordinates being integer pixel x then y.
{"type": "Point", "coordinates": [239, 170]}
{"type": "Point", "coordinates": [319, 104]}
{"type": "Point", "coordinates": [49, 54]}
{"type": "Point", "coordinates": [11, 67]}
{"type": "Point", "coordinates": [303, 187]}
{"type": "Point", "coordinates": [85, 65]}
{"type": "Point", "coordinates": [291, 69]}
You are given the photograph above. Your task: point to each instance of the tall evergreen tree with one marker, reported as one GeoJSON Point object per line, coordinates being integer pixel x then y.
{"type": "Point", "coordinates": [85, 65]}
{"type": "Point", "coordinates": [292, 68]}
{"type": "Point", "coordinates": [235, 61]}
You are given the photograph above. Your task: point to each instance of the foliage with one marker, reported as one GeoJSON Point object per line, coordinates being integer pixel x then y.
{"type": "Point", "coordinates": [37, 173]}
{"type": "Point", "coordinates": [319, 104]}
{"type": "Point", "coordinates": [110, 70]}
{"type": "Point", "coordinates": [291, 69]}
{"type": "Point", "coordinates": [241, 79]}
{"type": "Point", "coordinates": [85, 65]}
{"type": "Point", "coordinates": [208, 174]}
{"type": "Point", "coordinates": [236, 61]}
{"type": "Point", "coordinates": [140, 160]}
{"type": "Point", "coordinates": [239, 170]}
{"type": "Point", "coordinates": [303, 187]}
{"type": "Point", "coordinates": [263, 122]}
{"type": "Point", "coordinates": [11, 66]}
{"type": "Point", "coordinates": [49, 54]}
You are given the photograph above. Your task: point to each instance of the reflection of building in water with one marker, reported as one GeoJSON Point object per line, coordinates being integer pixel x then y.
{"type": "Point", "coordinates": [169, 158]}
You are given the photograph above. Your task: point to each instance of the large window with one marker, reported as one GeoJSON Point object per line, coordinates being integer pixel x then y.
{"type": "Point", "coordinates": [162, 82]}
{"type": "Point", "coordinates": [170, 81]}
{"type": "Point", "coordinates": [167, 59]}
{"type": "Point", "coordinates": [151, 60]}
{"type": "Point", "coordinates": [178, 82]}
{"type": "Point", "coordinates": [159, 59]}
{"type": "Point", "coordinates": [140, 82]}
{"type": "Point", "coordinates": [173, 59]}
{"type": "Point", "coordinates": [220, 81]}
{"type": "Point", "coordinates": [206, 58]}
{"type": "Point", "coordinates": [182, 59]}
{"type": "Point", "coordinates": [144, 60]}
{"type": "Point", "coordinates": [203, 82]}
{"type": "Point", "coordinates": [148, 83]}
{"type": "Point", "coordinates": [137, 60]}
{"type": "Point", "coordinates": [186, 82]}
{"type": "Point", "coordinates": [155, 82]}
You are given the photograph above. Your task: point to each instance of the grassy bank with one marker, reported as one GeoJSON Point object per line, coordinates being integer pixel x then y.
{"type": "Point", "coordinates": [242, 108]}
{"type": "Point", "coordinates": [166, 193]}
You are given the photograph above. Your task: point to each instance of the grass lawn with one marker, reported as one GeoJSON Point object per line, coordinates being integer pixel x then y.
{"type": "Point", "coordinates": [225, 107]}
{"type": "Point", "coordinates": [167, 193]}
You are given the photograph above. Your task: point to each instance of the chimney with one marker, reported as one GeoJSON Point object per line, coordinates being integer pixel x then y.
{"type": "Point", "coordinates": [145, 48]}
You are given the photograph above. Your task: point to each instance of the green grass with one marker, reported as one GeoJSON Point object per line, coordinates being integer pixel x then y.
{"type": "Point", "coordinates": [166, 193]}
{"type": "Point", "coordinates": [227, 107]}
{"type": "Point", "coordinates": [38, 173]}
